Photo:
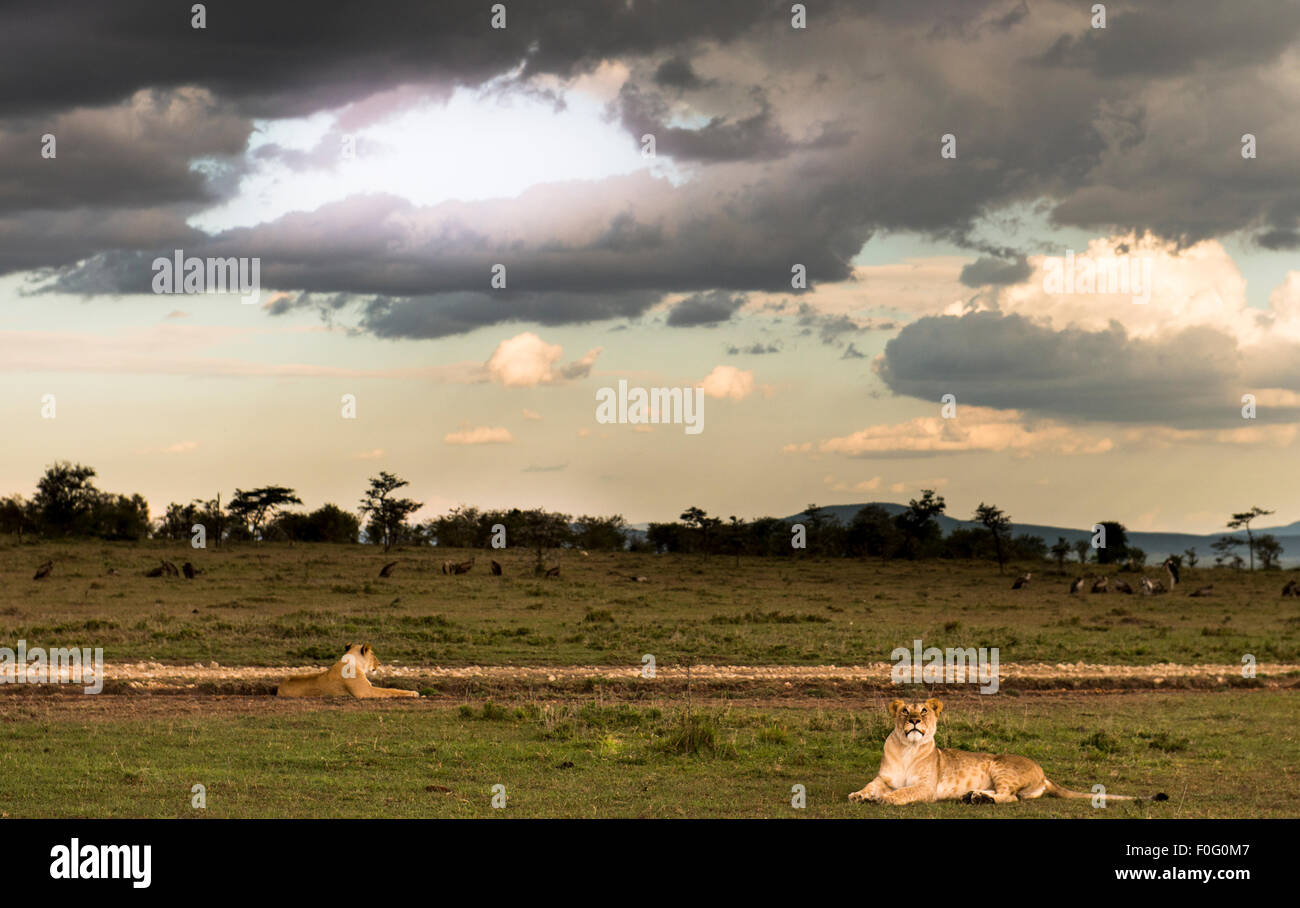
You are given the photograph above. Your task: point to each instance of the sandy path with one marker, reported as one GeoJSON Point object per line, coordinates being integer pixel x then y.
{"type": "Point", "coordinates": [153, 674]}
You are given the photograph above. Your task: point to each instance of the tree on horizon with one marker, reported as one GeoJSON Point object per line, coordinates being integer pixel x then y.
{"type": "Point", "coordinates": [1243, 519]}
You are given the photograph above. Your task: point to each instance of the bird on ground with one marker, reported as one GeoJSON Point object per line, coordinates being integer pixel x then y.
{"type": "Point", "coordinates": [1077, 585]}
{"type": "Point", "coordinates": [170, 569]}
{"type": "Point", "coordinates": [462, 567]}
{"type": "Point", "coordinates": [1121, 586]}
{"type": "Point", "coordinates": [1172, 569]}
{"type": "Point", "coordinates": [496, 569]}
{"type": "Point", "coordinates": [553, 572]}
{"type": "Point", "coordinates": [1207, 590]}
{"type": "Point", "coordinates": [1291, 589]}
{"type": "Point", "coordinates": [1101, 585]}
{"type": "Point", "coordinates": [189, 571]}
{"type": "Point", "coordinates": [1021, 580]}
{"type": "Point", "coordinates": [44, 570]}
{"type": "Point", "coordinates": [387, 570]}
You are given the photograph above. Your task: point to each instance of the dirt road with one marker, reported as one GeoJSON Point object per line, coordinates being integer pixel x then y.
{"type": "Point", "coordinates": [214, 678]}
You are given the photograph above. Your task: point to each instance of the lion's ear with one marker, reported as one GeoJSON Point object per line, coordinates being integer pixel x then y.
{"type": "Point", "coordinates": [895, 706]}
{"type": "Point", "coordinates": [348, 647]}
{"type": "Point", "coordinates": [935, 705]}
{"type": "Point", "coordinates": [365, 648]}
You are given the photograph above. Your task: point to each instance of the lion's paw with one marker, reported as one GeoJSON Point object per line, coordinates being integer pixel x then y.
{"type": "Point", "coordinates": [977, 797]}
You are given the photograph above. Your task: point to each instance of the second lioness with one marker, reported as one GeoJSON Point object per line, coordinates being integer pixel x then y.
{"type": "Point", "coordinates": [913, 769]}
{"type": "Point", "coordinates": [345, 678]}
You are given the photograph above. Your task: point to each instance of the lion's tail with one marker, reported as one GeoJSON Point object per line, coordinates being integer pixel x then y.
{"type": "Point", "coordinates": [1056, 791]}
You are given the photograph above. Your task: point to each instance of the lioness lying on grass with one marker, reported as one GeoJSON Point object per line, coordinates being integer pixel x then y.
{"type": "Point", "coordinates": [912, 769]}
{"type": "Point", "coordinates": [347, 677]}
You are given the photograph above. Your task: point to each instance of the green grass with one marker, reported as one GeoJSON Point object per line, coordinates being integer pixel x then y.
{"type": "Point", "coordinates": [1226, 754]}
{"type": "Point", "coordinates": [276, 604]}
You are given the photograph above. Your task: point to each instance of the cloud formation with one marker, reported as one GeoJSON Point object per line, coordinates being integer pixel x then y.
{"type": "Point", "coordinates": [974, 429]}
{"type": "Point", "coordinates": [479, 435]}
{"type": "Point", "coordinates": [526, 361]}
{"type": "Point", "coordinates": [789, 148]}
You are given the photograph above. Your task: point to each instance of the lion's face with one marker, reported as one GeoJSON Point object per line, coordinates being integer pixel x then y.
{"type": "Point", "coordinates": [916, 722]}
{"type": "Point", "coordinates": [362, 656]}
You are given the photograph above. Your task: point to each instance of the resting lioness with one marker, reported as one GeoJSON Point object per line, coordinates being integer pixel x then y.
{"type": "Point", "coordinates": [912, 769]}
{"type": "Point", "coordinates": [347, 677]}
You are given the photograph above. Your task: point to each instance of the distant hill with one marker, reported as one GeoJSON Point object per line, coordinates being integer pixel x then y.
{"type": "Point", "coordinates": [1158, 546]}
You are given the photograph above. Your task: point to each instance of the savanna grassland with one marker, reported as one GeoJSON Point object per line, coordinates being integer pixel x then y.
{"type": "Point", "coordinates": [640, 748]}
{"type": "Point", "coordinates": [282, 605]}
{"type": "Point", "coordinates": [1217, 754]}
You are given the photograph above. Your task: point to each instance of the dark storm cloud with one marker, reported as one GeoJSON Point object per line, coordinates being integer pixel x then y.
{"type": "Point", "coordinates": [572, 238]}
{"type": "Point", "coordinates": [1192, 378]}
{"type": "Point", "coordinates": [803, 152]}
{"type": "Point", "coordinates": [995, 272]}
{"type": "Point", "coordinates": [677, 73]}
{"type": "Point", "coordinates": [757, 348]}
{"type": "Point", "coordinates": [705, 309]}
{"type": "Point", "coordinates": [282, 60]}
{"type": "Point", "coordinates": [828, 328]}
{"type": "Point", "coordinates": [1167, 37]}
{"type": "Point", "coordinates": [752, 138]}
{"type": "Point", "coordinates": [455, 313]}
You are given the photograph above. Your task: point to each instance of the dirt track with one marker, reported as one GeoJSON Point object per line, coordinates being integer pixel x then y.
{"type": "Point", "coordinates": [214, 678]}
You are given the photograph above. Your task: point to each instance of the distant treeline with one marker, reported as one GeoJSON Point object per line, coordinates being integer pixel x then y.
{"type": "Point", "coordinates": [67, 504]}
{"type": "Point", "coordinates": [872, 533]}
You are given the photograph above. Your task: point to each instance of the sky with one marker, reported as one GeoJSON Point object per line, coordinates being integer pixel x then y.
{"type": "Point", "coordinates": [473, 230]}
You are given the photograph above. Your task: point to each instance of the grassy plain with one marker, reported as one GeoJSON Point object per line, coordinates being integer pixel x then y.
{"type": "Point", "coordinates": [628, 750]}
{"type": "Point", "coordinates": [1217, 754]}
{"type": "Point", "coordinates": [278, 605]}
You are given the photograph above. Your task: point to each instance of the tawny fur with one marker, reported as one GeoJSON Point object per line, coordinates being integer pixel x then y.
{"type": "Point", "coordinates": [913, 769]}
{"type": "Point", "coordinates": [345, 678]}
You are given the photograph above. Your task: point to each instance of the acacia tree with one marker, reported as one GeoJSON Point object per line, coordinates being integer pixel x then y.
{"type": "Point", "coordinates": [541, 531]}
{"type": "Point", "coordinates": [255, 506]}
{"type": "Point", "coordinates": [917, 523]}
{"type": "Point", "coordinates": [1243, 519]}
{"type": "Point", "coordinates": [999, 526]}
{"type": "Point", "coordinates": [65, 499]}
{"type": "Point", "coordinates": [1059, 551]}
{"type": "Point", "coordinates": [386, 513]}
{"type": "Point", "coordinates": [704, 525]}
{"type": "Point", "coordinates": [1115, 551]}
{"type": "Point", "coordinates": [1224, 548]}
{"type": "Point", "coordinates": [1081, 548]}
{"type": "Point", "coordinates": [1269, 551]}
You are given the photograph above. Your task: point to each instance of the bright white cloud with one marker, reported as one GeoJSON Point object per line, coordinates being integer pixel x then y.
{"type": "Point", "coordinates": [526, 361]}
{"type": "Point", "coordinates": [728, 382]}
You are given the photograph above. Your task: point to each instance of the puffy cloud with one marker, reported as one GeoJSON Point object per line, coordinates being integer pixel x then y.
{"type": "Point", "coordinates": [526, 361]}
{"type": "Point", "coordinates": [728, 382]}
